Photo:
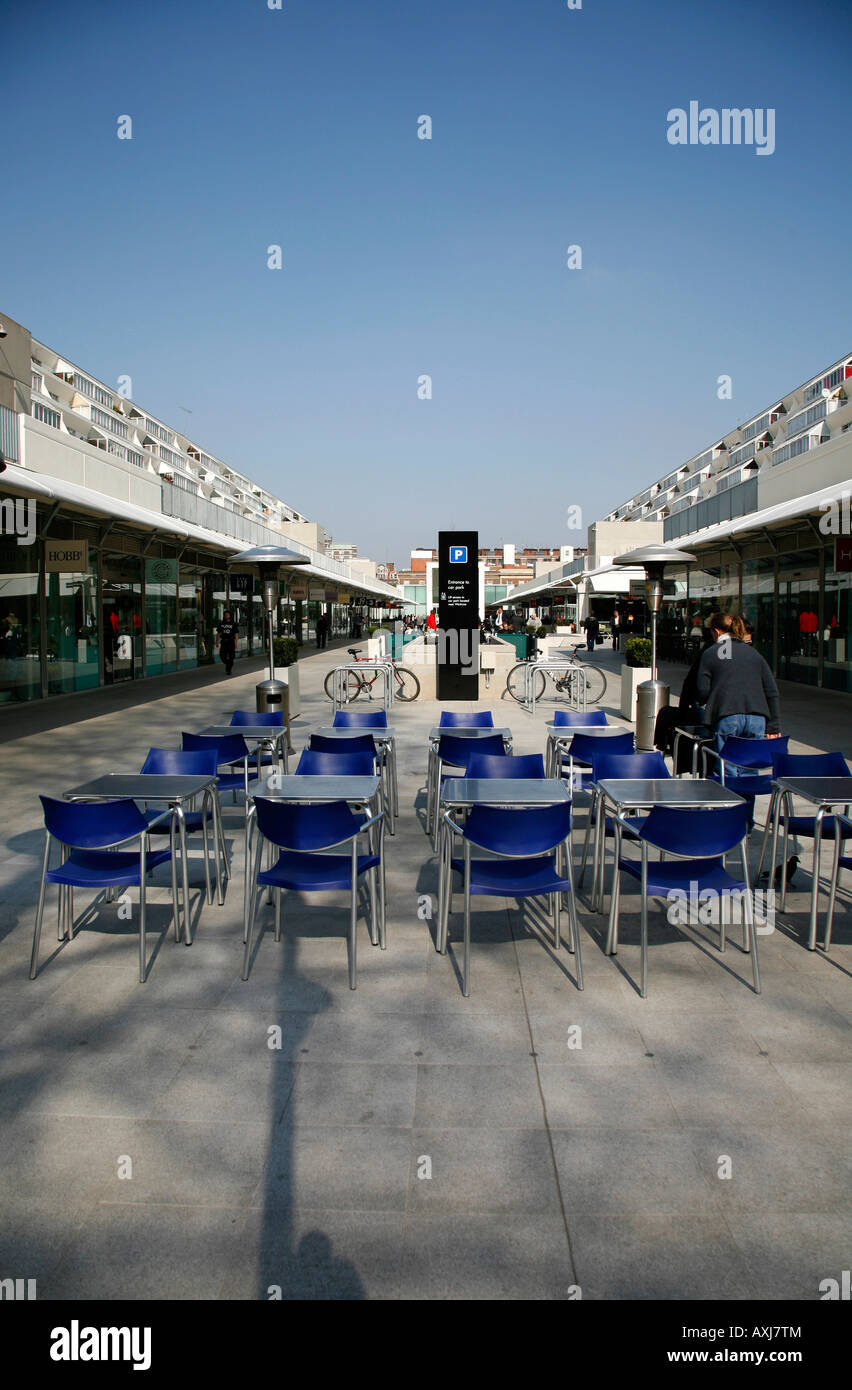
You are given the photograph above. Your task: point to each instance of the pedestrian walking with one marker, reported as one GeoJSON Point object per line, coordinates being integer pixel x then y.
{"type": "Point", "coordinates": [592, 628]}
{"type": "Point", "coordinates": [226, 640]}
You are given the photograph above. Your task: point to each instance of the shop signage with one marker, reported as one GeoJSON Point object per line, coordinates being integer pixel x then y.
{"type": "Point", "coordinates": [331, 596]}
{"type": "Point", "coordinates": [458, 615]}
{"type": "Point", "coordinates": [316, 593]}
{"type": "Point", "coordinates": [298, 589]}
{"type": "Point", "coordinates": [843, 554]}
{"type": "Point", "coordinates": [342, 597]}
{"type": "Point", "coordinates": [158, 571]}
{"type": "Point", "coordinates": [63, 557]}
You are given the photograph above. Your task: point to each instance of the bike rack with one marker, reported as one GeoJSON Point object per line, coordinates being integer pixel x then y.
{"type": "Point", "coordinates": [560, 668]}
{"type": "Point", "coordinates": [381, 666]}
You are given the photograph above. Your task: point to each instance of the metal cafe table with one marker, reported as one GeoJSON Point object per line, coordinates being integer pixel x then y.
{"type": "Point", "coordinates": [454, 731]}
{"type": "Point", "coordinates": [264, 736]}
{"type": "Point", "coordinates": [384, 739]}
{"type": "Point", "coordinates": [176, 791]}
{"type": "Point", "coordinates": [823, 793]}
{"type": "Point", "coordinates": [642, 794]}
{"type": "Point", "coordinates": [559, 737]}
{"type": "Point", "coordinates": [460, 793]}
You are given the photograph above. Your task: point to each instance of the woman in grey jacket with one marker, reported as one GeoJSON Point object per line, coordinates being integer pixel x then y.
{"type": "Point", "coordinates": [736, 686]}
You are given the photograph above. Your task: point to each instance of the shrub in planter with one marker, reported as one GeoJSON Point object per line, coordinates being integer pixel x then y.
{"type": "Point", "coordinates": [531, 629]}
{"type": "Point", "coordinates": [541, 631]}
{"type": "Point", "coordinates": [637, 651]}
{"type": "Point", "coordinates": [285, 651]}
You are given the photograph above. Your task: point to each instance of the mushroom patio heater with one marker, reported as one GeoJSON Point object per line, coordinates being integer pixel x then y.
{"type": "Point", "coordinates": [270, 560]}
{"type": "Point", "coordinates": [652, 695]}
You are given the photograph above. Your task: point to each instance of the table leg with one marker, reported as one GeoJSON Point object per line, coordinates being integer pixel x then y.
{"type": "Point", "coordinates": [181, 819]}
{"type": "Point", "coordinates": [818, 820]}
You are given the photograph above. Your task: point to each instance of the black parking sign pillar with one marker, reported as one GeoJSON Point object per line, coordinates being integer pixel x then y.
{"type": "Point", "coordinates": [458, 615]}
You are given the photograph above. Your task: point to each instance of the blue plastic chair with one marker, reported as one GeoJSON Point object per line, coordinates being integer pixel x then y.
{"type": "Point", "coordinates": [530, 844]}
{"type": "Point", "coordinates": [738, 757]}
{"type": "Point", "coordinates": [505, 765]}
{"type": "Point", "coordinates": [302, 834]}
{"type": "Point", "coordinates": [342, 747]}
{"type": "Point", "coordinates": [582, 750]}
{"type": "Point", "coordinates": [577, 719]}
{"type": "Point", "coordinates": [273, 719]}
{"type": "Point", "coordinates": [230, 750]}
{"type": "Point", "coordinates": [200, 762]}
{"type": "Point", "coordinates": [477, 719]}
{"type": "Point", "coordinates": [89, 834]}
{"type": "Point", "coordinates": [802, 827]}
{"type": "Point", "coordinates": [361, 719]}
{"type": "Point", "coordinates": [313, 764]}
{"type": "Point", "coordinates": [614, 765]}
{"type": "Point", "coordinates": [455, 751]}
{"type": "Point", "coordinates": [699, 840]}
{"type": "Point", "coordinates": [841, 861]}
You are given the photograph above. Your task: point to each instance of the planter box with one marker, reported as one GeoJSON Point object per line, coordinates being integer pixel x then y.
{"type": "Point", "coordinates": [631, 677]}
{"type": "Point", "coordinates": [290, 676]}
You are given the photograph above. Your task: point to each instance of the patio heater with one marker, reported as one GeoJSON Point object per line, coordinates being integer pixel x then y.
{"type": "Point", "coordinates": [652, 695]}
{"type": "Point", "coordinates": [270, 560]}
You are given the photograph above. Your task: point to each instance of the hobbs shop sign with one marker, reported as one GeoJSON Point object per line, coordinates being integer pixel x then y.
{"type": "Point", "coordinates": [63, 556]}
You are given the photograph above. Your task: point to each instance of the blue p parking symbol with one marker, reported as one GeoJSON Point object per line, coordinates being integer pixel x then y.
{"type": "Point", "coordinates": [458, 554]}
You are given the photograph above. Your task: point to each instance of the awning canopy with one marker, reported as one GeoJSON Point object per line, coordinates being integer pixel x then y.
{"type": "Point", "coordinates": [100, 504]}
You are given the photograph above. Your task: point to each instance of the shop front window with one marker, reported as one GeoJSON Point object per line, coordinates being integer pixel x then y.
{"type": "Point", "coordinates": [758, 604]}
{"type": "Point", "coordinates": [72, 639]}
{"type": "Point", "coordinates": [20, 628]}
{"type": "Point", "coordinates": [837, 637]}
{"type": "Point", "coordinates": [121, 619]}
{"type": "Point", "coordinates": [161, 651]}
{"type": "Point", "coordinates": [798, 617]}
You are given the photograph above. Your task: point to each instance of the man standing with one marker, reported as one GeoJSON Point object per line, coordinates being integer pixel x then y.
{"type": "Point", "coordinates": [322, 631]}
{"type": "Point", "coordinates": [226, 640]}
{"type": "Point", "coordinates": [616, 629]}
{"type": "Point", "coordinates": [592, 628]}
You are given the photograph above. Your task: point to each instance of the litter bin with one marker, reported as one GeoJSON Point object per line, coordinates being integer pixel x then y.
{"type": "Point", "coordinates": [273, 697]}
{"type": "Point", "coordinates": [651, 696]}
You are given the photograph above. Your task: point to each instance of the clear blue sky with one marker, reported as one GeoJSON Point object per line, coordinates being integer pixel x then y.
{"type": "Point", "coordinates": [551, 387]}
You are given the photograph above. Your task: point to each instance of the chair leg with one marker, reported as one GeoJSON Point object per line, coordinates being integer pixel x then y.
{"type": "Point", "coordinates": [753, 941]}
{"type": "Point", "coordinates": [644, 929]}
{"type": "Point", "coordinates": [173, 868]}
{"type": "Point", "coordinates": [788, 811]}
{"type": "Point", "coordinates": [746, 940]}
{"type": "Point", "coordinates": [40, 909]}
{"type": "Point", "coordinates": [277, 914]}
{"type": "Point", "coordinates": [575, 935]}
{"type": "Point", "coordinates": [184, 869]}
{"type": "Point", "coordinates": [614, 900]}
{"type": "Point", "coordinates": [832, 892]}
{"type": "Point", "coordinates": [586, 838]}
{"type": "Point", "coordinates": [208, 883]}
{"type": "Point", "coordinates": [353, 922]}
{"type": "Point", "coordinates": [764, 844]}
{"type": "Point", "coordinates": [251, 904]}
{"type": "Point", "coordinates": [142, 948]}
{"type": "Point", "coordinates": [466, 969]}
{"type": "Point", "coordinates": [371, 884]}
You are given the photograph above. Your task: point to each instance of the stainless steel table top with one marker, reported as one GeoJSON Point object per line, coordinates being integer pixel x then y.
{"type": "Point", "coordinates": [822, 791]}
{"type": "Point", "coordinates": [141, 786]}
{"type": "Point", "coordinates": [504, 791]}
{"type": "Point", "coordinates": [562, 731]}
{"type": "Point", "coordinates": [352, 731]}
{"type": "Point", "coordinates": [699, 793]}
{"type": "Point", "coordinates": [467, 731]}
{"type": "Point", "coordinates": [294, 786]}
{"type": "Point", "coordinates": [257, 731]}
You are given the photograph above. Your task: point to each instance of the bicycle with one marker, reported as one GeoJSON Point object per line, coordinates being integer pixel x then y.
{"type": "Point", "coordinates": [567, 683]}
{"type": "Point", "coordinates": [407, 684]}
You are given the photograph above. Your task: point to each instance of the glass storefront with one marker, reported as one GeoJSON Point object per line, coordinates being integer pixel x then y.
{"type": "Point", "coordinates": [837, 615]}
{"type": "Point", "coordinates": [121, 617]}
{"type": "Point", "coordinates": [759, 603]}
{"type": "Point", "coordinates": [161, 647]}
{"type": "Point", "coordinates": [799, 628]}
{"type": "Point", "coordinates": [72, 637]}
{"type": "Point", "coordinates": [20, 626]}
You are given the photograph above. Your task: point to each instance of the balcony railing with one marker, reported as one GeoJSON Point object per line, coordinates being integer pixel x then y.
{"type": "Point", "coordinates": [736, 501]}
